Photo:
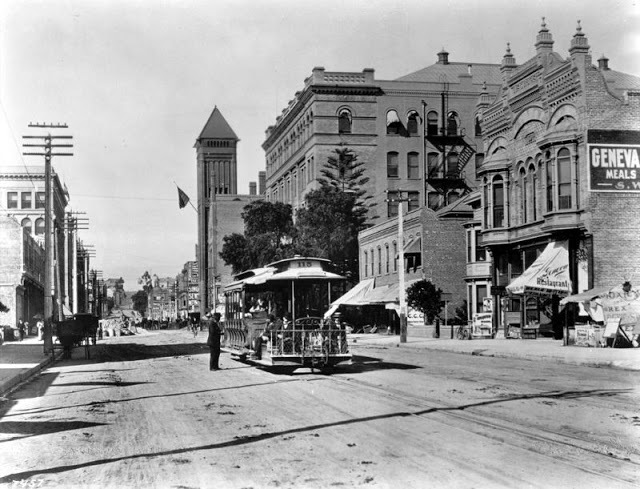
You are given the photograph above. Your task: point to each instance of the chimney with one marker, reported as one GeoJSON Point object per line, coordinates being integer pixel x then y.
{"type": "Point", "coordinates": [262, 182]}
{"type": "Point", "coordinates": [443, 57]}
{"type": "Point", "coordinates": [603, 63]}
{"type": "Point", "coordinates": [252, 188]}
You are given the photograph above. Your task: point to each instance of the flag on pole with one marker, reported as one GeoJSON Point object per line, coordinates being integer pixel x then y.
{"type": "Point", "coordinates": [183, 199]}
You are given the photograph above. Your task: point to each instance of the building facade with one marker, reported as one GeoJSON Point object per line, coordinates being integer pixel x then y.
{"type": "Point", "coordinates": [398, 128]}
{"type": "Point", "coordinates": [219, 205]}
{"type": "Point", "coordinates": [21, 273]}
{"type": "Point", "coordinates": [561, 172]}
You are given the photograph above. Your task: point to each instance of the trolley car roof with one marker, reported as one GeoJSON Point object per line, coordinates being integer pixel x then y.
{"type": "Point", "coordinates": [297, 268]}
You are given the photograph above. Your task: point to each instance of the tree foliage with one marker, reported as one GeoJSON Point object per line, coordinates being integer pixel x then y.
{"type": "Point", "coordinates": [426, 298]}
{"type": "Point", "coordinates": [329, 223]}
{"type": "Point", "coordinates": [268, 236]}
{"type": "Point", "coordinates": [140, 301]}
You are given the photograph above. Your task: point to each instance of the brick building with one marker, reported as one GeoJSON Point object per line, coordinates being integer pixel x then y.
{"type": "Point", "coordinates": [219, 204]}
{"type": "Point", "coordinates": [561, 177]}
{"type": "Point", "coordinates": [398, 128]}
{"type": "Point", "coordinates": [21, 273]}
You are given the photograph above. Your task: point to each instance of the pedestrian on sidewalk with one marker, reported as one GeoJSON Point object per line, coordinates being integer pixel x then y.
{"type": "Point", "coordinates": [214, 340]}
{"type": "Point", "coordinates": [21, 329]}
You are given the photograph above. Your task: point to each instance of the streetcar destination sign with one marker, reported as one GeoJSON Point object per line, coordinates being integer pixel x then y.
{"type": "Point", "coordinates": [614, 167]}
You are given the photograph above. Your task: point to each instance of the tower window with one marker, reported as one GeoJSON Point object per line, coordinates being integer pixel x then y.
{"type": "Point", "coordinates": [344, 121]}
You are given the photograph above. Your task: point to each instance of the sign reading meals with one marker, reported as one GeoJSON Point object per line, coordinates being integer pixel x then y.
{"type": "Point", "coordinates": [614, 167]}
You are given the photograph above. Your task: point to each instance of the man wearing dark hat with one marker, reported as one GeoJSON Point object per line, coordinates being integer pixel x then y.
{"type": "Point", "coordinates": [214, 340]}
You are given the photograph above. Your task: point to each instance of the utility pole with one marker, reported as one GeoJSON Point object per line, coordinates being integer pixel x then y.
{"type": "Point", "coordinates": [48, 211]}
{"type": "Point", "coordinates": [401, 292]}
{"type": "Point", "coordinates": [73, 224]}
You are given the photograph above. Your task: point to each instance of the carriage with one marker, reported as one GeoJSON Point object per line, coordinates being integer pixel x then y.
{"type": "Point", "coordinates": [299, 289]}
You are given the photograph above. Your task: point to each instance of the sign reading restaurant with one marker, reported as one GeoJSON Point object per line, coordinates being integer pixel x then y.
{"type": "Point", "coordinates": [614, 161]}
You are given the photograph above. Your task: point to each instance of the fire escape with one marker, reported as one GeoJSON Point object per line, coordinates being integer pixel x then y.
{"type": "Point", "coordinates": [445, 176]}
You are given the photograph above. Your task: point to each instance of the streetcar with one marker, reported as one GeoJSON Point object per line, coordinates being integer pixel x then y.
{"type": "Point", "coordinates": [296, 292]}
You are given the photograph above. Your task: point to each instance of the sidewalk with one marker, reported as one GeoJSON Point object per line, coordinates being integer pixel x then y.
{"type": "Point", "coordinates": [545, 349]}
{"type": "Point", "coordinates": [19, 361]}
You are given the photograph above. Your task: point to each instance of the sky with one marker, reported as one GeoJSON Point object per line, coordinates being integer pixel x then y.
{"type": "Point", "coordinates": [136, 80]}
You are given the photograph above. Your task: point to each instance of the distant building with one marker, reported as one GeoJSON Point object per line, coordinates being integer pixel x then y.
{"type": "Point", "coordinates": [219, 204]}
{"type": "Point", "coordinates": [561, 176]}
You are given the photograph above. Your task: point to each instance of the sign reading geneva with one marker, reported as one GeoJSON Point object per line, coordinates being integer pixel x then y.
{"type": "Point", "coordinates": [614, 167]}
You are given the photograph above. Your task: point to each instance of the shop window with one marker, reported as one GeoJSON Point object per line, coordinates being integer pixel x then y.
{"type": "Point", "coordinates": [344, 121]}
{"type": "Point", "coordinates": [26, 224]}
{"type": "Point", "coordinates": [498, 202]}
{"type": "Point", "coordinates": [413, 168]}
{"type": "Point", "coordinates": [432, 123]}
{"type": "Point", "coordinates": [481, 293]}
{"type": "Point", "coordinates": [531, 310]}
{"type": "Point", "coordinates": [26, 200]}
{"type": "Point", "coordinates": [564, 179]}
{"type": "Point", "coordinates": [12, 200]}
{"type": "Point", "coordinates": [392, 164]}
{"type": "Point", "coordinates": [412, 123]}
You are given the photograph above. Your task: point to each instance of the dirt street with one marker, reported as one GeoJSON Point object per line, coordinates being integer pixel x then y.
{"type": "Point", "coordinates": [146, 412]}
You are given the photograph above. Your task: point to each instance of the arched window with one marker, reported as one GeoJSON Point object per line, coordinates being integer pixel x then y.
{"type": "Point", "coordinates": [432, 123]}
{"type": "Point", "coordinates": [550, 181]}
{"type": "Point", "coordinates": [478, 127]}
{"type": "Point", "coordinates": [392, 164]}
{"type": "Point", "coordinates": [386, 251]}
{"type": "Point", "coordinates": [534, 189]}
{"type": "Point", "coordinates": [26, 223]}
{"type": "Point", "coordinates": [412, 122]}
{"type": "Point", "coordinates": [39, 227]}
{"type": "Point", "coordinates": [452, 124]}
{"type": "Point", "coordinates": [379, 261]}
{"type": "Point", "coordinates": [372, 265]}
{"type": "Point", "coordinates": [564, 179]}
{"type": "Point", "coordinates": [344, 121]}
{"type": "Point", "coordinates": [394, 126]}
{"type": "Point", "coordinates": [395, 256]}
{"type": "Point", "coordinates": [522, 188]}
{"type": "Point", "coordinates": [413, 168]}
{"type": "Point", "coordinates": [498, 202]}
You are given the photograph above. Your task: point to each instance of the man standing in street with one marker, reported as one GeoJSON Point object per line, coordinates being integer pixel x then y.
{"type": "Point", "coordinates": [214, 340]}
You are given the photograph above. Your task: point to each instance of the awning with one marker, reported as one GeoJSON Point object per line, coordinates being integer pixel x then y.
{"type": "Point", "coordinates": [548, 275]}
{"type": "Point", "coordinates": [585, 296]}
{"type": "Point", "coordinates": [353, 297]}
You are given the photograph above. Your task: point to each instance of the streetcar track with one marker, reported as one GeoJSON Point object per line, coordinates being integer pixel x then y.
{"type": "Point", "coordinates": [471, 420]}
